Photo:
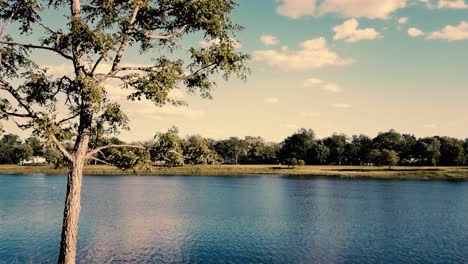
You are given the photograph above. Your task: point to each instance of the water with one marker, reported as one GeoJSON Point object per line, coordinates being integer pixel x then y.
{"type": "Point", "coordinates": [237, 220]}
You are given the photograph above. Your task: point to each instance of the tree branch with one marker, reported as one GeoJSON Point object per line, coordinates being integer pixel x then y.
{"type": "Point", "coordinates": [97, 150]}
{"type": "Point", "coordinates": [21, 101]}
{"type": "Point", "coordinates": [61, 148]}
{"type": "Point", "coordinates": [4, 28]}
{"type": "Point", "coordinates": [100, 160]}
{"type": "Point", "coordinates": [68, 119]}
{"type": "Point", "coordinates": [96, 64]}
{"type": "Point", "coordinates": [31, 46]}
{"type": "Point", "coordinates": [14, 114]}
{"type": "Point", "coordinates": [176, 33]}
{"type": "Point", "coordinates": [124, 43]}
{"type": "Point", "coordinates": [136, 68]}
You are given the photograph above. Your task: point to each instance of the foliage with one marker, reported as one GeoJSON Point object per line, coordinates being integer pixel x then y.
{"type": "Point", "coordinates": [13, 151]}
{"type": "Point", "coordinates": [389, 158]}
{"type": "Point", "coordinates": [337, 144]}
{"type": "Point", "coordinates": [297, 145]}
{"type": "Point", "coordinates": [168, 147]}
{"type": "Point", "coordinates": [197, 151]}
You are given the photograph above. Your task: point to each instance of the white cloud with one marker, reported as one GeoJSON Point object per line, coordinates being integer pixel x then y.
{"type": "Point", "coordinates": [350, 33]}
{"type": "Point", "coordinates": [373, 9]}
{"type": "Point", "coordinates": [296, 8]}
{"type": "Point", "coordinates": [452, 33]}
{"type": "Point", "coordinates": [312, 54]}
{"type": "Point", "coordinates": [271, 100]}
{"type": "Point", "coordinates": [415, 32]}
{"type": "Point", "coordinates": [341, 105]}
{"type": "Point", "coordinates": [456, 4]}
{"type": "Point", "coordinates": [208, 43]}
{"type": "Point", "coordinates": [322, 85]}
{"type": "Point", "coordinates": [402, 20]}
{"type": "Point", "coordinates": [269, 40]}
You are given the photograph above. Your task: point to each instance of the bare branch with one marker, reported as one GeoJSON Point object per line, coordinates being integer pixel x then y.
{"type": "Point", "coordinates": [176, 33]}
{"type": "Point", "coordinates": [96, 64]}
{"type": "Point", "coordinates": [62, 149]}
{"type": "Point", "coordinates": [100, 160]}
{"type": "Point", "coordinates": [22, 102]}
{"type": "Point", "coordinates": [124, 43]}
{"type": "Point", "coordinates": [4, 28]}
{"type": "Point", "coordinates": [97, 150]}
{"type": "Point", "coordinates": [14, 114]}
{"type": "Point", "coordinates": [136, 68]}
{"type": "Point", "coordinates": [30, 46]}
{"type": "Point", "coordinates": [47, 28]}
{"type": "Point", "coordinates": [67, 119]}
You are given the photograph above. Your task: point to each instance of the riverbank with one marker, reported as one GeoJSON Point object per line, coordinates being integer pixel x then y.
{"type": "Point", "coordinates": [396, 173]}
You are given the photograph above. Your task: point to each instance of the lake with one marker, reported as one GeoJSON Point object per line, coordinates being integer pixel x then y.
{"type": "Point", "coordinates": [265, 219]}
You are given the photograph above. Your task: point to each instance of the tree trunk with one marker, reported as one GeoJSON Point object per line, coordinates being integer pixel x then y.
{"type": "Point", "coordinates": [71, 214]}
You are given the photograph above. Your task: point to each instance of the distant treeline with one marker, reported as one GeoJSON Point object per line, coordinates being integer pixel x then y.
{"type": "Point", "coordinates": [389, 148]}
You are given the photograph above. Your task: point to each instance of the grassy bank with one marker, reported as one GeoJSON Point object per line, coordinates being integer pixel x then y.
{"type": "Point", "coordinates": [397, 173]}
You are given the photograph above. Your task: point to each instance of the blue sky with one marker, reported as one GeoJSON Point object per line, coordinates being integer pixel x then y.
{"type": "Point", "coordinates": [344, 66]}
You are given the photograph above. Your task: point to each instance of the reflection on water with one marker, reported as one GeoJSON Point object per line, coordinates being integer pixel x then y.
{"type": "Point", "coordinates": [237, 220]}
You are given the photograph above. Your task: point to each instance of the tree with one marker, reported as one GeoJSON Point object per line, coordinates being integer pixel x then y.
{"type": "Point", "coordinates": [297, 145]}
{"type": "Point", "coordinates": [452, 152]}
{"type": "Point", "coordinates": [389, 158]}
{"type": "Point", "coordinates": [197, 151]}
{"type": "Point", "coordinates": [407, 151]}
{"type": "Point", "coordinates": [22, 152]}
{"type": "Point", "coordinates": [317, 154]}
{"type": "Point", "coordinates": [390, 140]}
{"type": "Point", "coordinates": [13, 151]}
{"type": "Point", "coordinates": [428, 151]}
{"type": "Point", "coordinates": [36, 145]}
{"type": "Point", "coordinates": [168, 147]}
{"type": "Point", "coordinates": [97, 33]}
{"type": "Point", "coordinates": [376, 157]}
{"type": "Point", "coordinates": [336, 144]}
{"type": "Point", "coordinates": [232, 149]}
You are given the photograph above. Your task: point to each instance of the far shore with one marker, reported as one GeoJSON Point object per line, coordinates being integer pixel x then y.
{"type": "Point", "coordinates": [346, 172]}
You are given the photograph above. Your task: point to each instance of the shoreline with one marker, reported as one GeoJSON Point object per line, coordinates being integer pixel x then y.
{"type": "Point", "coordinates": [303, 172]}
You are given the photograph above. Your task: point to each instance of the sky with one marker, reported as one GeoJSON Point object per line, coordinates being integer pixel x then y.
{"type": "Point", "coordinates": [335, 66]}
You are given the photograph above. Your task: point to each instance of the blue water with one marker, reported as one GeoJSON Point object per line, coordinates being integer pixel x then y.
{"type": "Point", "coordinates": [237, 220]}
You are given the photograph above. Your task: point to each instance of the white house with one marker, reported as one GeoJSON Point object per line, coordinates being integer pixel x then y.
{"type": "Point", "coordinates": [34, 160]}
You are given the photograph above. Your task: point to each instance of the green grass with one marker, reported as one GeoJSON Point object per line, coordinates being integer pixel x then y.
{"type": "Point", "coordinates": [396, 173]}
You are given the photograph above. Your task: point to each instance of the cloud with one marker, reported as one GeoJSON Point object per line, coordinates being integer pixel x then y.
{"type": "Point", "coordinates": [415, 32]}
{"type": "Point", "coordinates": [296, 8]}
{"type": "Point", "coordinates": [402, 20]}
{"type": "Point", "coordinates": [271, 100]}
{"type": "Point", "coordinates": [322, 85]}
{"type": "Point", "coordinates": [269, 40]}
{"type": "Point", "coordinates": [455, 4]}
{"type": "Point", "coordinates": [372, 9]}
{"type": "Point", "coordinates": [208, 43]}
{"type": "Point", "coordinates": [341, 105]}
{"type": "Point", "coordinates": [452, 33]}
{"type": "Point", "coordinates": [350, 33]}
{"type": "Point", "coordinates": [312, 54]}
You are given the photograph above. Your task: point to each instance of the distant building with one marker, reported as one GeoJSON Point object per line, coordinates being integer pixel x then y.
{"type": "Point", "coordinates": [34, 160]}
{"type": "Point", "coordinates": [159, 163]}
